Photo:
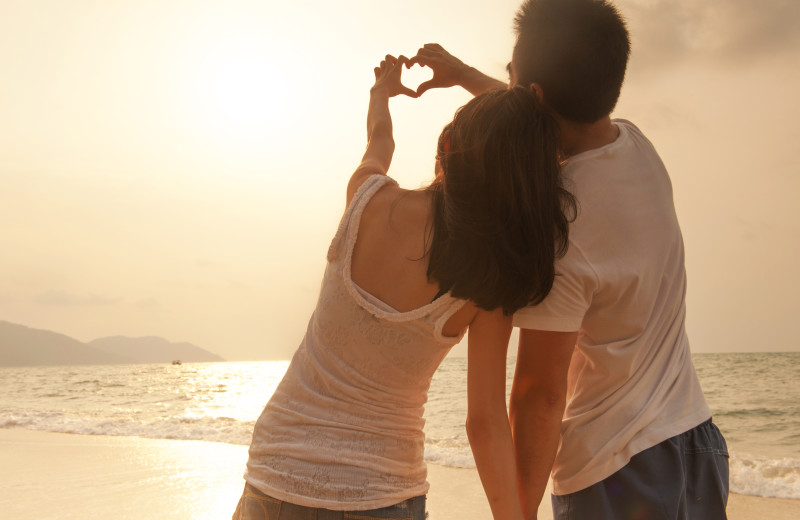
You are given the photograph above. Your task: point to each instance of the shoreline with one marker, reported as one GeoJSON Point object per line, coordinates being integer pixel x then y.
{"type": "Point", "coordinates": [65, 476]}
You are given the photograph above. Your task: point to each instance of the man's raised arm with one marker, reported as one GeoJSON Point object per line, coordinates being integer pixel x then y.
{"type": "Point", "coordinates": [449, 71]}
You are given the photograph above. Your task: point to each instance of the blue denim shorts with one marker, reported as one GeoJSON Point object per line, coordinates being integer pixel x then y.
{"type": "Point", "coordinates": [255, 505]}
{"type": "Point", "coordinates": [683, 478]}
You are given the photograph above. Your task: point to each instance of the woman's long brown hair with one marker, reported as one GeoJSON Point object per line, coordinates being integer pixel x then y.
{"type": "Point", "coordinates": [500, 211]}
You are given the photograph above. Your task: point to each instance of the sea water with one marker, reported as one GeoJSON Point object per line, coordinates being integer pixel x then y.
{"type": "Point", "coordinates": [755, 399]}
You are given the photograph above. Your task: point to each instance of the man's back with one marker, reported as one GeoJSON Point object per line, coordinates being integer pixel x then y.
{"type": "Point", "coordinates": [622, 284]}
{"type": "Point", "coordinates": [604, 392]}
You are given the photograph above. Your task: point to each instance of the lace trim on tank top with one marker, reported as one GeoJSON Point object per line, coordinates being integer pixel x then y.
{"type": "Point", "coordinates": [346, 237]}
{"type": "Point", "coordinates": [377, 302]}
{"type": "Point", "coordinates": [374, 300]}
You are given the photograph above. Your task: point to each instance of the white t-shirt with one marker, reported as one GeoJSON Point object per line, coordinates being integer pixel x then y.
{"type": "Point", "coordinates": [622, 285]}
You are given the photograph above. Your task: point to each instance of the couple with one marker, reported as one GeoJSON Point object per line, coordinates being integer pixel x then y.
{"type": "Point", "coordinates": [604, 395]}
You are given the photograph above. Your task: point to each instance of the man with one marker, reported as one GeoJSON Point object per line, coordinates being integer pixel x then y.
{"type": "Point", "coordinates": [605, 394]}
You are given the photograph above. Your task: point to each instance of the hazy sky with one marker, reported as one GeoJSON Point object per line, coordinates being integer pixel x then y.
{"type": "Point", "coordinates": [177, 167]}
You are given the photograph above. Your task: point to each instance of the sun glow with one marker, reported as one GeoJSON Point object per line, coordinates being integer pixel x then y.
{"type": "Point", "coordinates": [235, 91]}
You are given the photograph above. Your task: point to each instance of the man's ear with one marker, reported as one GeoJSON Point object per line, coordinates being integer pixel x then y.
{"type": "Point", "coordinates": [539, 92]}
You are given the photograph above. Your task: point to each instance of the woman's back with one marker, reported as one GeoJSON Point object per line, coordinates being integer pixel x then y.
{"type": "Point", "coordinates": [389, 255]}
{"type": "Point", "coordinates": [390, 259]}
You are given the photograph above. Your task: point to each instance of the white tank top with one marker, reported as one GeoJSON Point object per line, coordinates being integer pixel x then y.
{"type": "Point", "coordinates": [343, 430]}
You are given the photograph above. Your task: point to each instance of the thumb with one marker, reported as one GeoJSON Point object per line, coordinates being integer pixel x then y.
{"type": "Point", "coordinates": [425, 86]}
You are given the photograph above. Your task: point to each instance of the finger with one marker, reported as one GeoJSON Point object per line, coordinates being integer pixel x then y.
{"type": "Point", "coordinates": [390, 59]}
{"type": "Point", "coordinates": [377, 71]}
{"type": "Point", "coordinates": [433, 46]}
{"type": "Point", "coordinates": [408, 92]}
{"type": "Point", "coordinates": [425, 86]}
{"type": "Point", "coordinates": [422, 61]}
{"type": "Point", "coordinates": [402, 60]}
{"type": "Point", "coordinates": [429, 60]}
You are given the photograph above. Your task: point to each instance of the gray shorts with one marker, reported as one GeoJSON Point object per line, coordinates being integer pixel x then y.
{"type": "Point", "coordinates": [683, 478]}
{"type": "Point", "coordinates": [255, 505]}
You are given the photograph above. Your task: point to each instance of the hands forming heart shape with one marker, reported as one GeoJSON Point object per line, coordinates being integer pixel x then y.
{"type": "Point", "coordinates": [416, 75]}
{"type": "Point", "coordinates": [389, 74]}
{"type": "Point", "coordinates": [445, 67]}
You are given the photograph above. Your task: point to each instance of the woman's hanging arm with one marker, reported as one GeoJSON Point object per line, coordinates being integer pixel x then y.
{"type": "Point", "coordinates": [488, 427]}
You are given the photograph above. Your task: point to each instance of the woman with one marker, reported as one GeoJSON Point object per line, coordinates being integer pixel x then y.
{"type": "Point", "coordinates": [408, 272]}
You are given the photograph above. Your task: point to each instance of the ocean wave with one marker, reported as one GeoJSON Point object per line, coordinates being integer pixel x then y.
{"type": "Point", "coordinates": [774, 478]}
{"type": "Point", "coordinates": [213, 429]}
{"type": "Point", "coordinates": [779, 478]}
{"type": "Point", "coordinates": [751, 413]}
{"type": "Point", "coordinates": [449, 456]}
{"type": "Point", "coordinates": [451, 451]}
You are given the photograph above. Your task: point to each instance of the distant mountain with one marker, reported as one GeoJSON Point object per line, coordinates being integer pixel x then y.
{"type": "Point", "coordinates": [24, 346]}
{"type": "Point", "coordinates": [152, 349]}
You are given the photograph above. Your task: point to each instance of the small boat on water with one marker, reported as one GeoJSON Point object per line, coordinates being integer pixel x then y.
{"type": "Point", "coordinates": [176, 362]}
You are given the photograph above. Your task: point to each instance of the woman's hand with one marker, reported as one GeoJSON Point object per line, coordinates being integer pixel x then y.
{"type": "Point", "coordinates": [380, 141]}
{"type": "Point", "coordinates": [388, 77]}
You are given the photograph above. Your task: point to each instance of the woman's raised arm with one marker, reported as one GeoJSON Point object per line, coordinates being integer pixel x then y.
{"type": "Point", "coordinates": [380, 141]}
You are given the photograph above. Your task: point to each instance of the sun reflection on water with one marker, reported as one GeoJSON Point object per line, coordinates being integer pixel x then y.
{"type": "Point", "coordinates": [234, 390]}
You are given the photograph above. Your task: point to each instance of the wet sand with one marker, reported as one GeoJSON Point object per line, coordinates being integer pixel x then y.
{"type": "Point", "coordinates": [64, 476]}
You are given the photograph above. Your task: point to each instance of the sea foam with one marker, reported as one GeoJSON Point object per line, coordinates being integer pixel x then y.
{"type": "Point", "coordinates": [765, 477]}
{"type": "Point", "coordinates": [749, 475]}
{"type": "Point", "coordinates": [212, 429]}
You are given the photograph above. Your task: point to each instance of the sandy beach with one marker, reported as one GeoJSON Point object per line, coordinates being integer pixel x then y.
{"type": "Point", "coordinates": [65, 476]}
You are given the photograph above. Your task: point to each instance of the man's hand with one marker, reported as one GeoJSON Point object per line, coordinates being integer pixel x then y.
{"type": "Point", "coordinates": [388, 77]}
{"type": "Point", "coordinates": [449, 71]}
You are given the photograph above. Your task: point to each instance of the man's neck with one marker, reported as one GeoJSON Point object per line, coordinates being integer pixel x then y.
{"type": "Point", "coordinates": [579, 137]}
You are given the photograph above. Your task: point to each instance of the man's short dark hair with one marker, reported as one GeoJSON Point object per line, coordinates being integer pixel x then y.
{"type": "Point", "coordinates": [577, 51]}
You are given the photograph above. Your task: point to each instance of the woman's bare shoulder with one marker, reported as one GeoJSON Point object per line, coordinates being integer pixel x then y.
{"type": "Point", "coordinates": [400, 206]}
